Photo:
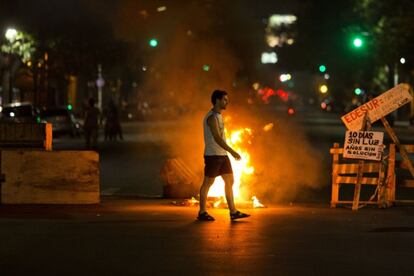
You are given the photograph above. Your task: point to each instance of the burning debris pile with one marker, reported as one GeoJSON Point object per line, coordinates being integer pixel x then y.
{"type": "Point", "coordinates": [243, 170]}
{"type": "Point", "coordinates": [239, 139]}
{"type": "Point", "coordinates": [214, 202]}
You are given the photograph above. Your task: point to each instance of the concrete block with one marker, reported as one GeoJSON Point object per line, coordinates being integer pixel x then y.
{"type": "Point", "coordinates": [26, 135]}
{"type": "Point", "coordinates": [50, 177]}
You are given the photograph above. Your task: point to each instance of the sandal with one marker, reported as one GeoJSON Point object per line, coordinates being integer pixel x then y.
{"type": "Point", "coordinates": [238, 215]}
{"type": "Point", "coordinates": [205, 217]}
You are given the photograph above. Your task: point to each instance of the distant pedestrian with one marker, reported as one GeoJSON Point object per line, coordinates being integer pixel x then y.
{"type": "Point", "coordinates": [91, 125]}
{"type": "Point", "coordinates": [217, 163]}
{"type": "Point", "coordinates": [112, 125]}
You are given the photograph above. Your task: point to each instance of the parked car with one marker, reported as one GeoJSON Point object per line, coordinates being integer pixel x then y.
{"type": "Point", "coordinates": [20, 113]}
{"type": "Point", "coordinates": [63, 121]}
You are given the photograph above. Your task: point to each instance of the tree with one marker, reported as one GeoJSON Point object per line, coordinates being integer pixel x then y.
{"type": "Point", "coordinates": [71, 40]}
{"type": "Point", "coordinates": [16, 49]}
{"type": "Point", "coordinates": [389, 24]}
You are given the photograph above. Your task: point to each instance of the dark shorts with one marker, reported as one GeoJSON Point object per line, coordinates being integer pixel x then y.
{"type": "Point", "coordinates": [217, 165]}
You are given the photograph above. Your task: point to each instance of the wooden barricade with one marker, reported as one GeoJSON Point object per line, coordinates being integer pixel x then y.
{"type": "Point", "coordinates": [393, 165]}
{"type": "Point", "coordinates": [347, 173]}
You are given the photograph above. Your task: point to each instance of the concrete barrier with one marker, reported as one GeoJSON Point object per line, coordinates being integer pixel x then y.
{"type": "Point", "coordinates": [26, 135]}
{"type": "Point", "coordinates": [50, 177]}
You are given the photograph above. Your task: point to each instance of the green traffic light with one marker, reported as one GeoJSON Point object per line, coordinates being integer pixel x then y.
{"type": "Point", "coordinates": [206, 67]}
{"type": "Point", "coordinates": [358, 91]}
{"type": "Point", "coordinates": [357, 42]}
{"type": "Point", "coordinates": [322, 68]}
{"type": "Point", "coordinates": [70, 107]}
{"type": "Point", "coordinates": [153, 43]}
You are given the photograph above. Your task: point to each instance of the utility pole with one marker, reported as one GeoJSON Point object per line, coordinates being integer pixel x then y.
{"type": "Point", "coordinates": [396, 76]}
{"type": "Point", "coordinates": [100, 82]}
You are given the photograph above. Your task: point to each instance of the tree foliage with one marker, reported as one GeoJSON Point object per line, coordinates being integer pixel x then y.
{"type": "Point", "coordinates": [23, 45]}
{"type": "Point", "coordinates": [391, 25]}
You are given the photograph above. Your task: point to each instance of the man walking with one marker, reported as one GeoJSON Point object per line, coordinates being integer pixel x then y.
{"type": "Point", "coordinates": [216, 161]}
{"type": "Point", "coordinates": [91, 125]}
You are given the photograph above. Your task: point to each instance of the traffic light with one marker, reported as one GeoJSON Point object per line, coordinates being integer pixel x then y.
{"type": "Point", "coordinates": [357, 42]}
{"type": "Point", "coordinates": [323, 89]}
{"type": "Point", "coordinates": [69, 107]}
{"type": "Point", "coordinates": [322, 68]}
{"type": "Point", "coordinates": [358, 91]}
{"type": "Point", "coordinates": [153, 42]}
{"type": "Point", "coordinates": [206, 67]}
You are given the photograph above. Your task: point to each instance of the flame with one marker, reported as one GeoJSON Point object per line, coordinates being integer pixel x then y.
{"type": "Point", "coordinates": [268, 127]}
{"type": "Point", "coordinates": [193, 201]}
{"type": "Point", "coordinates": [217, 203]}
{"type": "Point", "coordinates": [257, 203]}
{"type": "Point", "coordinates": [242, 169]}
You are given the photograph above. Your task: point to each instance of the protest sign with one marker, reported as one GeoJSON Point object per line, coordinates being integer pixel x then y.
{"type": "Point", "coordinates": [378, 107]}
{"type": "Point", "coordinates": [365, 145]}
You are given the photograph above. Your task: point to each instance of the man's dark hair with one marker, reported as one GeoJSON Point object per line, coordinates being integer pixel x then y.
{"type": "Point", "coordinates": [217, 95]}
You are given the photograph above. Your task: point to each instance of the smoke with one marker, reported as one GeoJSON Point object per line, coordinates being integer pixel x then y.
{"type": "Point", "coordinates": [193, 61]}
{"type": "Point", "coordinates": [285, 163]}
{"type": "Point", "coordinates": [190, 62]}
{"type": "Point", "coordinates": [186, 87]}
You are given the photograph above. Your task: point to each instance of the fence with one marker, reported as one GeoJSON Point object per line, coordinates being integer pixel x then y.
{"type": "Point", "coordinates": [346, 172]}
{"type": "Point", "coordinates": [400, 165]}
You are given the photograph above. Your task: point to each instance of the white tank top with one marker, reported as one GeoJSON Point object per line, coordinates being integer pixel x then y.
{"type": "Point", "coordinates": [210, 145]}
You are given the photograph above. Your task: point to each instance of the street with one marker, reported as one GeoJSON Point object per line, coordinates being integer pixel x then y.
{"type": "Point", "coordinates": [152, 237]}
{"type": "Point", "coordinates": [136, 232]}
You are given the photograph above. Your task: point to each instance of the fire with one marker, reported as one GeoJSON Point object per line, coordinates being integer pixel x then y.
{"type": "Point", "coordinates": [257, 203]}
{"type": "Point", "coordinates": [193, 201]}
{"type": "Point", "coordinates": [242, 169]}
{"type": "Point", "coordinates": [217, 203]}
{"type": "Point", "coordinates": [268, 127]}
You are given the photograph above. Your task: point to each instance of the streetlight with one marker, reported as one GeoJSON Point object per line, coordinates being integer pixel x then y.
{"type": "Point", "coordinates": [100, 82]}
{"type": "Point", "coordinates": [11, 34]}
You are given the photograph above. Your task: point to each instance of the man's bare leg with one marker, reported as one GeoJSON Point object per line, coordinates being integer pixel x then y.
{"type": "Point", "coordinates": [208, 181]}
{"type": "Point", "coordinates": [228, 188]}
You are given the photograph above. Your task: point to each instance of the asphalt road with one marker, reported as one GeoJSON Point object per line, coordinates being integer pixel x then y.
{"type": "Point", "coordinates": [129, 235]}
{"type": "Point", "coordinates": [152, 237]}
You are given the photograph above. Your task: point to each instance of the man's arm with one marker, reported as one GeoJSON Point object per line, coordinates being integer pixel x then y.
{"type": "Point", "coordinates": [213, 124]}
